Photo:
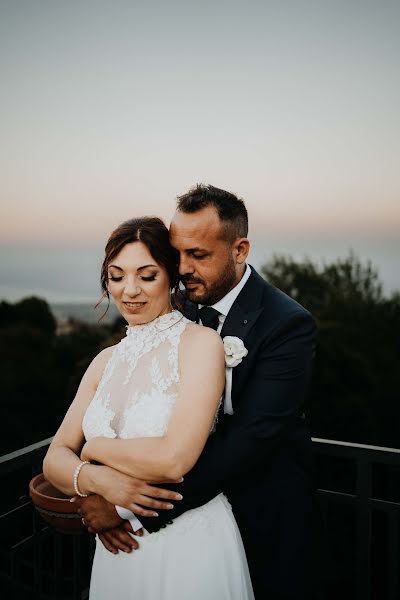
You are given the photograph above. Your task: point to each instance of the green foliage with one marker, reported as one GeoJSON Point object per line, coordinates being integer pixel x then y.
{"type": "Point", "coordinates": [355, 388]}
{"type": "Point", "coordinates": [40, 370]}
{"type": "Point", "coordinates": [354, 394]}
{"type": "Point", "coordinates": [32, 312]}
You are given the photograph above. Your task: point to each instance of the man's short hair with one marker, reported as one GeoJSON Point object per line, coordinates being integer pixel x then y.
{"type": "Point", "coordinates": [231, 209]}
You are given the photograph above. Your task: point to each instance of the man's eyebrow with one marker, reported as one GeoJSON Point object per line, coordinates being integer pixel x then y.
{"type": "Point", "coordinates": [195, 249]}
{"type": "Point", "coordinates": [139, 269]}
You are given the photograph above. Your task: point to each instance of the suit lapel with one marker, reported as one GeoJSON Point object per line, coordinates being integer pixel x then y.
{"type": "Point", "coordinates": [241, 319]}
{"type": "Point", "coordinates": [246, 309]}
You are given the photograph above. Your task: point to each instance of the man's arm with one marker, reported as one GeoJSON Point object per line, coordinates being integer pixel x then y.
{"type": "Point", "coordinates": [273, 397]}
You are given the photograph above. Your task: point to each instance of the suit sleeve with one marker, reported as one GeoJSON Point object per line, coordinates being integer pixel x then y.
{"type": "Point", "coordinates": [270, 404]}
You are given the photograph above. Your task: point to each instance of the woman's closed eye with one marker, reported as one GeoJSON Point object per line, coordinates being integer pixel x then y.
{"type": "Point", "coordinates": [143, 278]}
{"type": "Point", "coordinates": [148, 278]}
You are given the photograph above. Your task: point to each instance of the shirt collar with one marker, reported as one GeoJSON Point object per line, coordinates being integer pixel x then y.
{"type": "Point", "coordinates": [225, 304]}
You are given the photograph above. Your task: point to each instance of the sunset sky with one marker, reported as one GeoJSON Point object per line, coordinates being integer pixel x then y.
{"type": "Point", "coordinates": [111, 109]}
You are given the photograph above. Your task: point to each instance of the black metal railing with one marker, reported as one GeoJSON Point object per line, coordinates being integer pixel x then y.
{"type": "Point", "coordinates": [36, 561]}
{"type": "Point", "coordinates": [359, 492]}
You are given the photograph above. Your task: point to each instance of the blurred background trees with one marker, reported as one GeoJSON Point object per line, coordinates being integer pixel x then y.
{"type": "Point", "coordinates": [355, 389]}
{"type": "Point", "coordinates": [40, 370]}
{"type": "Point", "coordinates": [354, 393]}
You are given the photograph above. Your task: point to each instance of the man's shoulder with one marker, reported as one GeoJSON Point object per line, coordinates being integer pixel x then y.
{"type": "Point", "coordinates": [278, 306]}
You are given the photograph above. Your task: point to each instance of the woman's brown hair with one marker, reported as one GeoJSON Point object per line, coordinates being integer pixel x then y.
{"type": "Point", "coordinates": [153, 233]}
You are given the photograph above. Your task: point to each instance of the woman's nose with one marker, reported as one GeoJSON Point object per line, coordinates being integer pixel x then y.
{"type": "Point", "coordinates": [132, 288]}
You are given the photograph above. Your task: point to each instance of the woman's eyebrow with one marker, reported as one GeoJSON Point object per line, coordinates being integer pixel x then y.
{"type": "Point", "coordinates": [145, 267]}
{"type": "Point", "coordinates": [138, 269]}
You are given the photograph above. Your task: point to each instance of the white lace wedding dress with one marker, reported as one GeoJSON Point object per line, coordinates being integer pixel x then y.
{"type": "Point", "coordinates": [200, 556]}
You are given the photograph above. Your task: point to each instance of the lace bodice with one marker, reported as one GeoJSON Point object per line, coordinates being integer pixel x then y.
{"type": "Point", "coordinates": [140, 382]}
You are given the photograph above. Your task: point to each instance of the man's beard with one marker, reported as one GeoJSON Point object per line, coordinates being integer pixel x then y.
{"type": "Point", "coordinates": [216, 291]}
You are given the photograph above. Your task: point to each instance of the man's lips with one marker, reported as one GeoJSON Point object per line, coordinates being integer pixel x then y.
{"type": "Point", "coordinates": [190, 284]}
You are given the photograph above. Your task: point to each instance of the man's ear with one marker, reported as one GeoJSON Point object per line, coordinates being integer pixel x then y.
{"type": "Point", "coordinates": [241, 250]}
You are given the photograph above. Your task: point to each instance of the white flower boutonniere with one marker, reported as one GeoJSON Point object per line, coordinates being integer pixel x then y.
{"type": "Point", "coordinates": [235, 351]}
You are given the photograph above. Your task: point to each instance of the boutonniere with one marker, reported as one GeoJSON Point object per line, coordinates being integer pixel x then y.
{"type": "Point", "coordinates": [235, 351]}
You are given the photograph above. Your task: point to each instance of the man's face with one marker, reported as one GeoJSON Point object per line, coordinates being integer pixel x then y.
{"type": "Point", "coordinates": [206, 261]}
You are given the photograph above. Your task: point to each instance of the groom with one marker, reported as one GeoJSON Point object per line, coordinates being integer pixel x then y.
{"type": "Point", "coordinates": [260, 453]}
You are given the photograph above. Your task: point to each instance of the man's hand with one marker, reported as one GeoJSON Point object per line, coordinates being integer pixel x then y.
{"type": "Point", "coordinates": [133, 494]}
{"type": "Point", "coordinates": [118, 538]}
{"type": "Point", "coordinates": [98, 514]}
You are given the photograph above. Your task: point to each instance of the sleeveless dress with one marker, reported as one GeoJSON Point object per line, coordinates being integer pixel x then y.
{"type": "Point", "coordinates": [200, 555]}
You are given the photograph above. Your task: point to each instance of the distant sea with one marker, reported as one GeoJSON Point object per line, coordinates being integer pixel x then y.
{"type": "Point", "coordinates": [68, 276]}
{"type": "Point", "coordinates": [83, 312]}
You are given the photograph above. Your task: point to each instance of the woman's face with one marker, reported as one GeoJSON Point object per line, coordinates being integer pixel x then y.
{"type": "Point", "coordinates": [140, 287]}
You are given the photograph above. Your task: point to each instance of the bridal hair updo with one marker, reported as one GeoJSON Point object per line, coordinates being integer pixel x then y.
{"type": "Point", "coordinates": [153, 233]}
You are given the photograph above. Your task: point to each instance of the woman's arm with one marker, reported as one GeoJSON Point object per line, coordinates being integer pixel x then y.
{"type": "Point", "coordinates": [202, 379]}
{"type": "Point", "coordinates": [62, 457]}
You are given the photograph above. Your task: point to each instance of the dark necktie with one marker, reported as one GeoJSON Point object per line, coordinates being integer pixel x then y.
{"type": "Point", "coordinates": [209, 317]}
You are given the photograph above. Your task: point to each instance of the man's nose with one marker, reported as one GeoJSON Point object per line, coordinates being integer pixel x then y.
{"type": "Point", "coordinates": [185, 266]}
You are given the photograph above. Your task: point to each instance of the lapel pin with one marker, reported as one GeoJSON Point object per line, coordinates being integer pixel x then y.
{"type": "Point", "coordinates": [245, 322]}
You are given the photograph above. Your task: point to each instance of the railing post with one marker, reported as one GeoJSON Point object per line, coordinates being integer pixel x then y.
{"type": "Point", "coordinates": [36, 556]}
{"type": "Point", "coordinates": [393, 555]}
{"type": "Point", "coordinates": [363, 536]}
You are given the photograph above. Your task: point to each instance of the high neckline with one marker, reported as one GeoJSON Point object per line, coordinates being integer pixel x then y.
{"type": "Point", "coordinates": [158, 324]}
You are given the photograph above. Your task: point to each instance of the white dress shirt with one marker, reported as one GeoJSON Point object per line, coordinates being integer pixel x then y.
{"type": "Point", "coordinates": [223, 306]}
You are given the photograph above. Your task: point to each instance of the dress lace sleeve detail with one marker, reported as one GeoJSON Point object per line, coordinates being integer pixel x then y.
{"type": "Point", "coordinates": [139, 385]}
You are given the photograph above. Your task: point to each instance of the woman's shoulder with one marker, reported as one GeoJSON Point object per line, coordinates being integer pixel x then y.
{"type": "Point", "coordinates": [98, 364]}
{"type": "Point", "coordinates": [200, 335]}
{"type": "Point", "coordinates": [105, 354]}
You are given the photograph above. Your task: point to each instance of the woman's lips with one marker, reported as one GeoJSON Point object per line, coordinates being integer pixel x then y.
{"type": "Point", "coordinates": [134, 306]}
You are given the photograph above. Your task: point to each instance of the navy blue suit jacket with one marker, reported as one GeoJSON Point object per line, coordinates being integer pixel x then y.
{"type": "Point", "coordinates": [260, 456]}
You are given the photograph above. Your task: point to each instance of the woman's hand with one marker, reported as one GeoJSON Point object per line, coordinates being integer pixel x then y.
{"type": "Point", "coordinates": [131, 493]}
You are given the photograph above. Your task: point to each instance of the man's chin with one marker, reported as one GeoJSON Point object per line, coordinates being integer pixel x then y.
{"type": "Point", "coordinates": [197, 298]}
{"type": "Point", "coordinates": [194, 295]}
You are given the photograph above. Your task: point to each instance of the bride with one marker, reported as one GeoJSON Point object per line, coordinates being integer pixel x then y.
{"type": "Point", "coordinates": [144, 409]}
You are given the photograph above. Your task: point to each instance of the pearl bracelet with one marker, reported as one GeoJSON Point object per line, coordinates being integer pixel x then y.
{"type": "Point", "coordinates": [76, 475]}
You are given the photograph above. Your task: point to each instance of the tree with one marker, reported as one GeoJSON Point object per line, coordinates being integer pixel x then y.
{"type": "Point", "coordinates": [40, 371]}
{"type": "Point", "coordinates": [33, 312]}
{"type": "Point", "coordinates": [355, 385]}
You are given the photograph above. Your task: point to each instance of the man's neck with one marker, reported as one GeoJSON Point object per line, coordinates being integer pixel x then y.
{"type": "Point", "coordinates": [239, 276]}
{"type": "Point", "coordinates": [225, 303]}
